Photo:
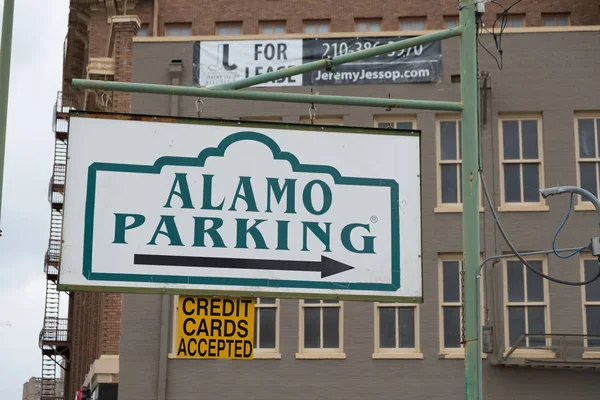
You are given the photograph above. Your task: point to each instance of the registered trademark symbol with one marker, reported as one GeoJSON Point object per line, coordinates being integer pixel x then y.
{"type": "Point", "coordinates": [374, 219]}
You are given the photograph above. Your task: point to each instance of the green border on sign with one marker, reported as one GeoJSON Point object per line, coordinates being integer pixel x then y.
{"type": "Point", "coordinates": [278, 154]}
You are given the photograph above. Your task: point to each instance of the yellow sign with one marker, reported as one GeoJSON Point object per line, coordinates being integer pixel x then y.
{"type": "Point", "coordinates": [212, 327]}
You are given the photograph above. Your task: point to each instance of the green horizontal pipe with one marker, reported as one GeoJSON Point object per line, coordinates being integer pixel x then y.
{"type": "Point", "coordinates": [343, 59]}
{"type": "Point", "coordinates": [266, 96]}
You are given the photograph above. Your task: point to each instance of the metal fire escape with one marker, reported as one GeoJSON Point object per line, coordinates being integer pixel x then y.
{"type": "Point", "coordinates": [54, 341]}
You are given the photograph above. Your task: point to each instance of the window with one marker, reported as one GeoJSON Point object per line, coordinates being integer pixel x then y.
{"type": "Point", "coordinates": [178, 29]}
{"type": "Point", "coordinates": [272, 28]}
{"type": "Point", "coordinates": [412, 24]}
{"type": "Point", "coordinates": [321, 329]}
{"type": "Point", "coordinates": [561, 19]}
{"type": "Point", "coordinates": [526, 299]}
{"type": "Point", "coordinates": [324, 120]}
{"type": "Point", "coordinates": [591, 303]}
{"type": "Point", "coordinates": [143, 31]}
{"type": "Point", "coordinates": [449, 162]}
{"type": "Point", "coordinates": [451, 295]}
{"type": "Point", "coordinates": [512, 21]}
{"type": "Point", "coordinates": [587, 139]}
{"type": "Point", "coordinates": [450, 318]}
{"type": "Point", "coordinates": [266, 332]}
{"type": "Point", "coordinates": [522, 168]}
{"type": "Point", "coordinates": [396, 331]}
{"type": "Point", "coordinates": [316, 26]}
{"type": "Point", "coordinates": [450, 22]}
{"type": "Point", "coordinates": [228, 28]}
{"type": "Point", "coordinates": [368, 25]}
{"type": "Point", "coordinates": [403, 122]}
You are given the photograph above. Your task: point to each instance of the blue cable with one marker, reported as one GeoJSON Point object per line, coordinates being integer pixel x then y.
{"type": "Point", "coordinates": [558, 231]}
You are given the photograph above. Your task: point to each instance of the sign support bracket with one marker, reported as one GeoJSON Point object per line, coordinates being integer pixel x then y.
{"type": "Point", "coordinates": [467, 30]}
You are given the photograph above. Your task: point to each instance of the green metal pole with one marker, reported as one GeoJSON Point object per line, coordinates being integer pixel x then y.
{"type": "Point", "coordinates": [5, 50]}
{"type": "Point", "coordinates": [342, 59]}
{"type": "Point", "coordinates": [470, 190]}
{"type": "Point", "coordinates": [266, 96]}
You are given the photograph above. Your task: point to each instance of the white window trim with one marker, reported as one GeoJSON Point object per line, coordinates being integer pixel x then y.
{"type": "Point", "coordinates": [593, 352]}
{"type": "Point", "coordinates": [321, 353]}
{"type": "Point", "coordinates": [524, 206]}
{"type": "Point", "coordinates": [389, 119]}
{"type": "Point", "coordinates": [267, 353]}
{"type": "Point", "coordinates": [447, 207]}
{"type": "Point", "coordinates": [527, 352]}
{"type": "Point", "coordinates": [397, 352]}
{"type": "Point", "coordinates": [453, 353]}
{"type": "Point", "coordinates": [582, 204]}
{"type": "Point", "coordinates": [324, 120]}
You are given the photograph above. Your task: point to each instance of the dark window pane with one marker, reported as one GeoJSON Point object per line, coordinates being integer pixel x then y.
{"type": "Point", "coordinates": [449, 184]}
{"type": "Point", "coordinates": [592, 291]}
{"type": "Point", "coordinates": [510, 133]}
{"type": "Point", "coordinates": [598, 134]}
{"type": "Point", "coordinates": [451, 327]}
{"type": "Point", "coordinates": [586, 138]}
{"type": "Point", "coordinates": [512, 183]}
{"type": "Point", "coordinates": [331, 301]}
{"type": "Point", "coordinates": [403, 125]}
{"type": "Point", "coordinates": [312, 337]}
{"type": "Point", "coordinates": [531, 182]}
{"type": "Point", "coordinates": [535, 283]}
{"type": "Point", "coordinates": [536, 324]}
{"type": "Point", "coordinates": [256, 311]}
{"type": "Point", "coordinates": [406, 327]}
{"type": "Point", "coordinates": [331, 327]}
{"type": "Point", "coordinates": [385, 125]}
{"type": "Point", "coordinates": [460, 140]}
{"type": "Point", "coordinates": [312, 301]}
{"type": "Point", "coordinates": [529, 139]}
{"type": "Point", "coordinates": [448, 140]}
{"type": "Point", "coordinates": [451, 281]}
{"type": "Point", "coordinates": [387, 327]}
{"type": "Point", "coordinates": [593, 324]}
{"type": "Point", "coordinates": [587, 175]}
{"type": "Point", "coordinates": [267, 328]}
{"type": "Point", "coordinates": [514, 275]}
{"type": "Point", "coordinates": [265, 300]}
{"type": "Point", "coordinates": [516, 324]}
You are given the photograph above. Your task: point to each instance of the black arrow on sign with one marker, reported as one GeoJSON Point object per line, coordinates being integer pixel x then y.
{"type": "Point", "coordinates": [326, 266]}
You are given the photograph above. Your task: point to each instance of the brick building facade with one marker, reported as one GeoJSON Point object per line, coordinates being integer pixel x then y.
{"type": "Point", "coordinates": [100, 45]}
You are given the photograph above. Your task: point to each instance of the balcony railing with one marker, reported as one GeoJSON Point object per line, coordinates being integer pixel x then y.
{"type": "Point", "coordinates": [54, 330]}
{"type": "Point", "coordinates": [554, 349]}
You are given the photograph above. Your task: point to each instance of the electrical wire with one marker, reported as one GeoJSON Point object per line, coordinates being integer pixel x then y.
{"type": "Point", "coordinates": [480, 27]}
{"type": "Point", "coordinates": [518, 255]}
{"type": "Point", "coordinates": [558, 231]}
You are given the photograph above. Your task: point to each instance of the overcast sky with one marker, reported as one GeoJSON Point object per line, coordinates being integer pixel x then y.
{"type": "Point", "coordinates": [39, 30]}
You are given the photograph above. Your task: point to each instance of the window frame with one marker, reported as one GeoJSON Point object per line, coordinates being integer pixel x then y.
{"type": "Point", "coordinates": [397, 352]}
{"type": "Point", "coordinates": [320, 353]}
{"type": "Point", "coordinates": [589, 352]}
{"type": "Point", "coordinates": [333, 120]}
{"type": "Point", "coordinates": [583, 204]}
{"type": "Point", "coordinates": [272, 24]}
{"type": "Point", "coordinates": [555, 16]}
{"type": "Point", "coordinates": [453, 18]}
{"type": "Point", "coordinates": [454, 352]}
{"type": "Point", "coordinates": [144, 28]}
{"type": "Point", "coordinates": [228, 25]}
{"type": "Point", "coordinates": [526, 351]}
{"type": "Point", "coordinates": [510, 17]}
{"type": "Point", "coordinates": [448, 207]}
{"type": "Point", "coordinates": [267, 353]}
{"type": "Point", "coordinates": [521, 206]}
{"type": "Point", "coordinates": [178, 25]}
{"type": "Point", "coordinates": [394, 119]}
{"type": "Point", "coordinates": [412, 21]}
{"type": "Point", "coordinates": [316, 22]}
{"type": "Point", "coordinates": [368, 22]}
